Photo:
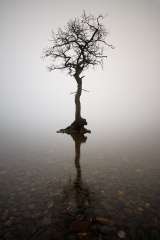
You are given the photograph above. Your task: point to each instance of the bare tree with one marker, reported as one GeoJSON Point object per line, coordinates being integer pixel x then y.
{"type": "Point", "coordinates": [75, 48]}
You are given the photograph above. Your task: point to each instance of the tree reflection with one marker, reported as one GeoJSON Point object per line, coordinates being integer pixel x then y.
{"type": "Point", "coordinates": [74, 210]}
{"type": "Point", "coordinates": [79, 215]}
{"type": "Point", "coordinates": [77, 196]}
{"type": "Point", "coordinates": [82, 193]}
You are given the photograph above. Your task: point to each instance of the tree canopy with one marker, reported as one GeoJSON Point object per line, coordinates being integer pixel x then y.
{"type": "Point", "coordinates": [79, 45]}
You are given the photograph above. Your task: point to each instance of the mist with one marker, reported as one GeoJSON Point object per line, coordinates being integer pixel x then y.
{"type": "Point", "coordinates": [125, 93]}
{"type": "Point", "coordinates": [121, 106]}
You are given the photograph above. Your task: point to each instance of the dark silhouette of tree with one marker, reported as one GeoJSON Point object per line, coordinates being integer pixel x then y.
{"type": "Point", "coordinates": [75, 48]}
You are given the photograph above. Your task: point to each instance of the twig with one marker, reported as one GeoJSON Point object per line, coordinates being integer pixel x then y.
{"type": "Point", "coordinates": [85, 90]}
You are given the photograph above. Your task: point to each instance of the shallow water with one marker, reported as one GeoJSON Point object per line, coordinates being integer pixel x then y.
{"type": "Point", "coordinates": [55, 186]}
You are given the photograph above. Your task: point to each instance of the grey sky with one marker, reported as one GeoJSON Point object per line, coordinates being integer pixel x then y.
{"type": "Point", "coordinates": [125, 94]}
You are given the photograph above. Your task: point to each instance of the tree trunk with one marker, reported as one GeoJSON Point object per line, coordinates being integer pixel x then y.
{"type": "Point", "coordinates": [79, 122]}
{"type": "Point", "coordinates": [77, 100]}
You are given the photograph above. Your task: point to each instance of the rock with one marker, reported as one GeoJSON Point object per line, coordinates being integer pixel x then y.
{"type": "Point", "coordinates": [121, 234]}
{"type": "Point", "coordinates": [102, 220]}
{"type": "Point", "coordinates": [140, 209]}
{"type": "Point", "coordinates": [147, 205]}
{"type": "Point", "coordinates": [50, 205]}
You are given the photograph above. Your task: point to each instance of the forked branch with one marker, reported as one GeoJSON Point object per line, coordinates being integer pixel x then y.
{"type": "Point", "coordinates": [81, 44]}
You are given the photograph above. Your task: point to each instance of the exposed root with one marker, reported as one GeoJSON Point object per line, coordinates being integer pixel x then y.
{"type": "Point", "coordinates": [77, 127]}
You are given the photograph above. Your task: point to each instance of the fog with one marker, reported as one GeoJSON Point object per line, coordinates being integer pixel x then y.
{"type": "Point", "coordinates": [124, 96]}
{"type": "Point", "coordinates": [109, 179]}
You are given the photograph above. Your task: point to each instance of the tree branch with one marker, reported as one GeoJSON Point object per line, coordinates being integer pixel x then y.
{"type": "Point", "coordinates": [79, 45]}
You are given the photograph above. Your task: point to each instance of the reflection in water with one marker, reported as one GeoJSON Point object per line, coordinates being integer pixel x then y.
{"type": "Point", "coordinates": [112, 199]}
{"type": "Point", "coordinates": [78, 219]}
{"type": "Point", "coordinates": [77, 214]}
{"type": "Point", "coordinates": [82, 196]}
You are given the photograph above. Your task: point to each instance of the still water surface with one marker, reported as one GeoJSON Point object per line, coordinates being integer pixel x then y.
{"type": "Point", "coordinates": [57, 186]}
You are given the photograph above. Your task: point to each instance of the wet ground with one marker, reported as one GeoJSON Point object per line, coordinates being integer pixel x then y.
{"type": "Point", "coordinates": [58, 186]}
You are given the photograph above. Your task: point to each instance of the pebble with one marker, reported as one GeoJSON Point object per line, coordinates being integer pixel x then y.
{"type": "Point", "coordinates": [121, 234]}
